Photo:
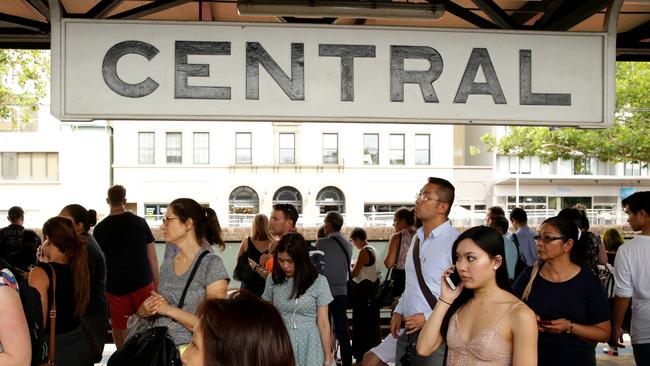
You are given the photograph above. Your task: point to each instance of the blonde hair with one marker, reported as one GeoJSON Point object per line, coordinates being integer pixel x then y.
{"type": "Point", "coordinates": [612, 239]}
{"type": "Point", "coordinates": [260, 228]}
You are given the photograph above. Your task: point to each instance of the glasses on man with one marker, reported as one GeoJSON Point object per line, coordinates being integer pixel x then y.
{"type": "Point", "coordinates": [547, 238]}
{"type": "Point", "coordinates": [424, 196]}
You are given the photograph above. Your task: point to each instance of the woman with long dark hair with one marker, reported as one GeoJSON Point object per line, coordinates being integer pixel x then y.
{"type": "Point", "coordinates": [571, 307]}
{"type": "Point", "coordinates": [302, 297]}
{"type": "Point", "coordinates": [239, 331]}
{"type": "Point", "coordinates": [481, 321]}
{"type": "Point", "coordinates": [185, 225]}
{"type": "Point", "coordinates": [95, 319]}
{"type": "Point", "coordinates": [67, 255]}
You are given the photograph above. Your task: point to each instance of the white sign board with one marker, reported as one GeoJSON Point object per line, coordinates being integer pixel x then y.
{"type": "Point", "coordinates": [269, 72]}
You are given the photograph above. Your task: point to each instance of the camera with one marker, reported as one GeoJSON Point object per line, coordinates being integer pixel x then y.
{"type": "Point", "coordinates": [409, 355]}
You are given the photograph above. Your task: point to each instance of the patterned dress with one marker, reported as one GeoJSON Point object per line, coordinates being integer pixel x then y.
{"type": "Point", "coordinates": [299, 317]}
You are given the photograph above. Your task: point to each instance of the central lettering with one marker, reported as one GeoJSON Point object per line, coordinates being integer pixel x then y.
{"type": "Point", "coordinates": [294, 86]}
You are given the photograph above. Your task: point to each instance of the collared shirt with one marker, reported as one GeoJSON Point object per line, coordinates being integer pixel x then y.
{"type": "Point", "coordinates": [527, 245]}
{"type": "Point", "coordinates": [435, 256]}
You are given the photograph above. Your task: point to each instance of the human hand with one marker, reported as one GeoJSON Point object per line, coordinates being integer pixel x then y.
{"type": "Point", "coordinates": [252, 263]}
{"type": "Point", "coordinates": [616, 339]}
{"type": "Point", "coordinates": [556, 326]}
{"type": "Point", "coordinates": [414, 323]}
{"type": "Point", "coordinates": [395, 324]}
{"type": "Point", "coordinates": [148, 308]}
{"type": "Point", "coordinates": [161, 305]}
{"type": "Point", "coordinates": [446, 293]}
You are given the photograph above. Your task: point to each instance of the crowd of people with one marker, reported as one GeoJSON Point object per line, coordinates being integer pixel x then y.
{"type": "Point", "coordinates": [483, 296]}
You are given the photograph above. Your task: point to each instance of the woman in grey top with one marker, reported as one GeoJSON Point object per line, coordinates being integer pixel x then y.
{"type": "Point", "coordinates": [185, 225]}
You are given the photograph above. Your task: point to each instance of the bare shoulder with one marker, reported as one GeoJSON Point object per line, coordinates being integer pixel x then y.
{"type": "Point", "coordinates": [522, 315]}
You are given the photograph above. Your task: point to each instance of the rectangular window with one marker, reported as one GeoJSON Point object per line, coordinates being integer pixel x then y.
{"type": "Point", "coordinates": [155, 211]}
{"type": "Point", "coordinates": [243, 148]}
{"type": "Point", "coordinates": [521, 165]}
{"type": "Point", "coordinates": [370, 149]}
{"type": "Point", "coordinates": [38, 166]}
{"type": "Point", "coordinates": [287, 148]}
{"type": "Point", "coordinates": [201, 148]}
{"type": "Point", "coordinates": [174, 147]}
{"type": "Point", "coordinates": [146, 148]}
{"type": "Point", "coordinates": [396, 152]}
{"type": "Point", "coordinates": [422, 149]}
{"type": "Point", "coordinates": [330, 148]}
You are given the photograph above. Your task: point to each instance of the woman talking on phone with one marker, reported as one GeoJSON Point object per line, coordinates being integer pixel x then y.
{"type": "Point", "coordinates": [479, 319]}
{"type": "Point", "coordinates": [571, 307]}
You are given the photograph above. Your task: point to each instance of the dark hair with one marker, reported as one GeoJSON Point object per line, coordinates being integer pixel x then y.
{"type": "Point", "coordinates": [496, 211]}
{"type": "Point", "coordinates": [206, 223]}
{"type": "Point", "coordinates": [288, 211]}
{"type": "Point", "coordinates": [320, 233]}
{"type": "Point", "coordinates": [491, 242]}
{"type": "Point", "coordinates": [304, 273]}
{"type": "Point", "coordinates": [335, 219]}
{"type": "Point", "coordinates": [575, 215]}
{"type": "Point", "coordinates": [60, 232]}
{"type": "Point", "coordinates": [446, 191]}
{"type": "Point", "coordinates": [408, 215]}
{"type": "Point", "coordinates": [232, 329]}
{"type": "Point", "coordinates": [116, 195]}
{"type": "Point", "coordinates": [637, 201]}
{"type": "Point", "coordinates": [500, 223]}
{"type": "Point", "coordinates": [519, 215]}
{"type": "Point", "coordinates": [15, 213]}
{"type": "Point", "coordinates": [80, 215]}
{"type": "Point", "coordinates": [359, 234]}
{"type": "Point", "coordinates": [580, 252]}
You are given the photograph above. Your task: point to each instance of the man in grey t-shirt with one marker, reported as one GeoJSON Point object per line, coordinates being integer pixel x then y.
{"type": "Point", "coordinates": [338, 252]}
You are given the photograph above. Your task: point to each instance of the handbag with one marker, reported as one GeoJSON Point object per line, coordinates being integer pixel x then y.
{"type": "Point", "coordinates": [51, 354]}
{"type": "Point", "coordinates": [153, 346]}
{"type": "Point", "coordinates": [243, 271]}
{"type": "Point", "coordinates": [387, 291]}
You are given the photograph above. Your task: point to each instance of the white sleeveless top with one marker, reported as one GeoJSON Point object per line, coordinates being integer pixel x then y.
{"type": "Point", "coordinates": [372, 272]}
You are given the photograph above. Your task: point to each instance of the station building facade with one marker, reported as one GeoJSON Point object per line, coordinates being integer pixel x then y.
{"type": "Point", "coordinates": [365, 171]}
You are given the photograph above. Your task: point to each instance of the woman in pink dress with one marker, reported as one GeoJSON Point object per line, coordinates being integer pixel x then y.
{"type": "Point", "coordinates": [481, 321]}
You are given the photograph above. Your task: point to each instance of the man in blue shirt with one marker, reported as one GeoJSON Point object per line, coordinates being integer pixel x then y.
{"type": "Point", "coordinates": [525, 237]}
{"type": "Point", "coordinates": [434, 241]}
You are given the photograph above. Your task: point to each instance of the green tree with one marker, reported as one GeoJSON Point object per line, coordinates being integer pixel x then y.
{"type": "Point", "coordinates": [628, 139]}
{"type": "Point", "coordinates": [24, 81]}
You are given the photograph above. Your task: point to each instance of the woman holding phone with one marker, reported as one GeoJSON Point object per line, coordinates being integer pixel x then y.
{"type": "Point", "coordinates": [480, 320]}
{"type": "Point", "coordinates": [571, 307]}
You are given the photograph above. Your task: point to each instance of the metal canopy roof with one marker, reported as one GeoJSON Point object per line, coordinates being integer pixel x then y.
{"type": "Point", "coordinates": [25, 23]}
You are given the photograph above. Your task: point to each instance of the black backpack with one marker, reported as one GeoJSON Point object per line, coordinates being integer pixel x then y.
{"type": "Point", "coordinates": [521, 260]}
{"type": "Point", "coordinates": [31, 301]}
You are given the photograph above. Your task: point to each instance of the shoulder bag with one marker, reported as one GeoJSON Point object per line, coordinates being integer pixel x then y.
{"type": "Point", "coordinates": [51, 356]}
{"type": "Point", "coordinates": [526, 294]}
{"type": "Point", "coordinates": [387, 288]}
{"type": "Point", "coordinates": [428, 295]}
{"type": "Point", "coordinates": [243, 271]}
{"type": "Point", "coordinates": [153, 346]}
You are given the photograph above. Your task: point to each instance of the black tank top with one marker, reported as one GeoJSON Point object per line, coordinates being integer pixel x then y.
{"type": "Point", "coordinates": [256, 285]}
{"type": "Point", "coordinates": [65, 298]}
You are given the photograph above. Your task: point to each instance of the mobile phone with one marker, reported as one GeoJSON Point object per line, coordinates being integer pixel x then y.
{"type": "Point", "coordinates": [453, 280]}
{"type": "Point", "coordinates": [544, 322]}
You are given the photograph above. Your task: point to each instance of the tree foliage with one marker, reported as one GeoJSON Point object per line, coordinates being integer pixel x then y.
{"type": "Point", "coordinates": [628, 139]}
{"type": "Point", "coordinates": [24, 81]}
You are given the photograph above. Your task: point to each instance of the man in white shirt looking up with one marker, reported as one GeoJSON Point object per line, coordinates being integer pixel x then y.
{"type": "Point", "coordinates": [632, 279]}
{"type": "Point", "coordinates": [435, 239]}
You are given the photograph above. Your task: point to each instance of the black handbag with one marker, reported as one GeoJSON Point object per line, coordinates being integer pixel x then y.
{"type": "Point", "coordinates": [387, 291]}
{"type": "Point", "coordinates": [153, 346]}
{"type": "Point", "coordinates": [243, 271]}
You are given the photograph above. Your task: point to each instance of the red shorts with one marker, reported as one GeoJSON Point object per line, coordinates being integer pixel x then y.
{"type": "Point", "coordinates": [122, 307]}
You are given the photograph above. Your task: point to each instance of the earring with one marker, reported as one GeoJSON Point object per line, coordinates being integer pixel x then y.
{"type": "Point", "coordinates": [495, 268]}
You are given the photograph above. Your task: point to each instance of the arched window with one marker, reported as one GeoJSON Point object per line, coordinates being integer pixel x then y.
{"type": "Point", "coordinates": [330, 199]}
{"type": "Point", "coordinates": [244, 200]}
{"type": "Point", "coordinates": [290, 195]}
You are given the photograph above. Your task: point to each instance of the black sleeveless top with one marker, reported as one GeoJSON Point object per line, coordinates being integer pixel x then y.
{"type": "Point", "coordinates": [256, 285]}
{"type": "Point", "coordinates": [65, 298]}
